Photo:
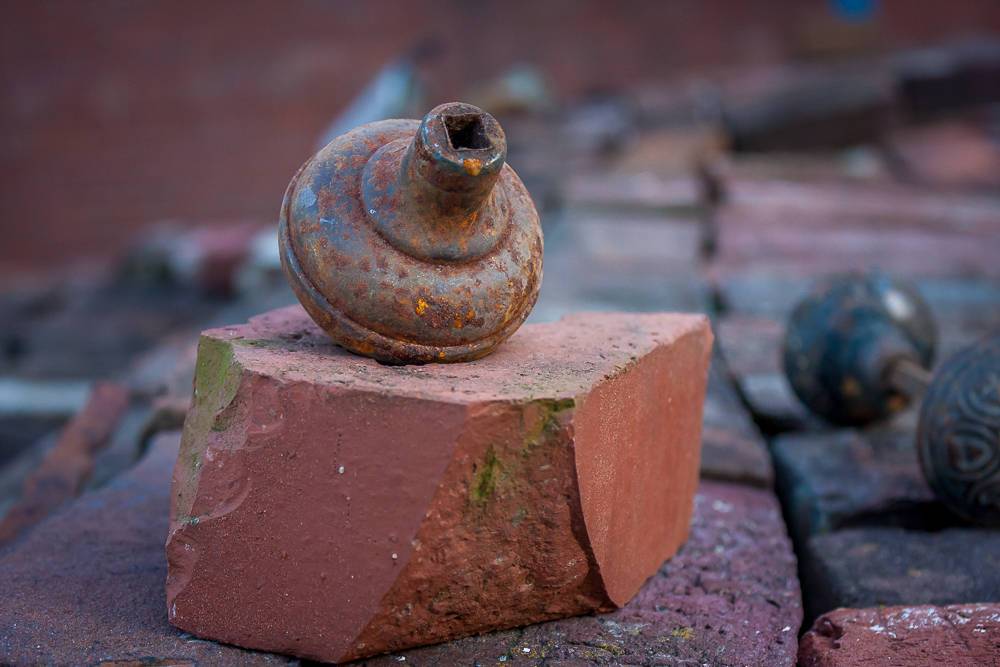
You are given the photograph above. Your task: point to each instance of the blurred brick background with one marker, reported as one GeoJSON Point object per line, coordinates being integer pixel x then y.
{"type": "Point", "coordinates": [117, 114]}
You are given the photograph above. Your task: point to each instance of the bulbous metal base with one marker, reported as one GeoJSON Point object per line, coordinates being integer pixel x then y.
{"type": "Point", "coordinates": [428, 254]}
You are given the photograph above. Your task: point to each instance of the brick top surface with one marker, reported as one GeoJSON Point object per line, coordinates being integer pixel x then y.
{"type": "Point", "coordinates": [86, 586]}
{"type": "Point", "coordinates": [560, 359]}
{"type": "Point", "coordinates": [961, 635]}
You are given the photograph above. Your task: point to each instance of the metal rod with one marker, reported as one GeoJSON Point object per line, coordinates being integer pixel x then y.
{"type": "Point", "coordinates": [908, 377]}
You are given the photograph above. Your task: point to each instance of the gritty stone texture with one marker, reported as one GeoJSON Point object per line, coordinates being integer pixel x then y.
{"type": "Point", "coordinates": [965, 635]}
{"type": "Point", "coordinates": [86, 585]}
{"type": "Point", "coordinates": [331, 507]}
{"type": "Point", "coordinates": [729, 597]}
{"type": "Point", "coordinates": [830, 480]}
{"type": "Point", "coordinates": [732, 449]}
{"type": "Point", "coordinates": [866, 567]}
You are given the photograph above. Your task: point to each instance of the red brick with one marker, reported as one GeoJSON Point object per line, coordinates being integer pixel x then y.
{"type": "Point", "coordinates": [951, 154]}
{"type": "Point", "coordinates": [729, 597]}
{"type": "Point", "coordinates": [331, 507]}
{"type": "Point", "coordinates": [865, 567]}
{"type": "Point", "coordinates": [643, 261]}
{"type": "Point", "coordinates": [85, 587]}
{"type": "Point", "coordinates": [798, 230]}
{"type": "Point", "coordinates": [732, 449]}
{"type": "Point", "coordinates": [675, 196]}
{"type": "Point", "coordinates": [67, 466]}
{"type": "Point", "coordinates": [752, 348]}
{"type": "Point", "coordinates": [835, 479]}
{"type": "Point", "coordinates": [962, 635]}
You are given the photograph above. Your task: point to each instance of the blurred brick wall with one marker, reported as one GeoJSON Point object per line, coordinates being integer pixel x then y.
{"type": "Point", "coordinates": [117, 114]}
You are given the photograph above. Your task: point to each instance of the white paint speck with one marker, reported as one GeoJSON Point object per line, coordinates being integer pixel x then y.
{"type": "Point", "coordinates": [395, 556]}
{"type": "Point", "coordinates": [525, 650]}
{"type": "Point", "coordinates": [340, 470]}
{"type": "Point", "coordinates": [722, 506]}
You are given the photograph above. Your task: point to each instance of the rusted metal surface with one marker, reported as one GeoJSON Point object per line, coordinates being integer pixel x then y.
{"type": "Point", "coordinates": [959, 435]}
{"type": "Point", "coordinates": [843, 341]}
{"type": "Point", "coordinates": [414, 242]}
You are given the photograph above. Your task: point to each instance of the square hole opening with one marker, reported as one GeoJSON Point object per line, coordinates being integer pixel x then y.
{"type": "Point", "coordinates": [466, 131]}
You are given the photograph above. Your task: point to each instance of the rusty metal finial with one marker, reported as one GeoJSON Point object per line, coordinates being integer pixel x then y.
{"type": "Point", "coordinates": [413, 242]}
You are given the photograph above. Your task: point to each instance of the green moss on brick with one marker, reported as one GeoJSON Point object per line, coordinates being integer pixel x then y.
{"type": "Point", "coordinates": [485, 480]}
{"type": "Point", "coordinates": [502, 467]}
{"type": "Point", "coordinates": [548, 423]}
{"type": "Point", "coordinates": [216, 381]}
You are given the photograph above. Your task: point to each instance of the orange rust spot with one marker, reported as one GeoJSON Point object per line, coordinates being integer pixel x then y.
{"type": "Point", "coordinates": [472, 166]}
{"type": "Point", "coordinates": [897, 403]}
{"type": "Point", "coordinates": [468, 221]}
{"type": "Point", "coordinates": [421, 306]}
{"type": "Point", "coordinates": [458, 323]}
{"type": "Point", "coordinates": [441, 354]}
{"type": "Point", "coordinates": [471, 315]}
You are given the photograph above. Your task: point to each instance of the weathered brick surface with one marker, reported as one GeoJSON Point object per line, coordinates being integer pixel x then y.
{"type": "Point", "coordinates": [677, 196]}
{"type": "Point", "coordinates": [641, 261]}
{"type": "Point", "coordinates": [332, 507]}
{"type": "Point", "coordinates": [751, 346]}
{"type": "Point", "coordinates": [732, 449]}
{"type": "Point", "coordinates": [813, 112]}
{"type": "Point", "coordinates": [86, 586]}
{"type": "Point", "coordinates": [830, 480]}
{"type": "Point", "coordinates": [729, 597]}
{"type": "Point", "coordinates": [93, 323]}
{"type": "Point", "coordinates": [948, 77]}
{"type": "Point", "coordinates": [867, 567]}
{"type": "Point", "coordinates": [949, 154]}
{"type": "Point", "coordinates": [963, 635]}
{"type": "Point", "coordinates": [810, 229]}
